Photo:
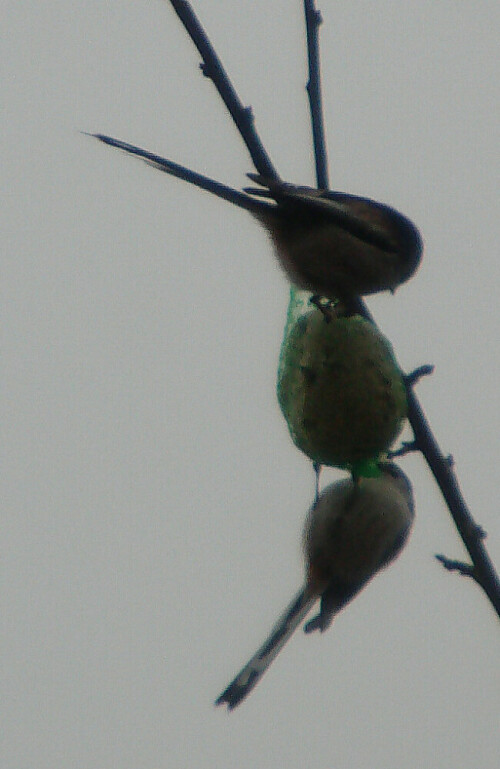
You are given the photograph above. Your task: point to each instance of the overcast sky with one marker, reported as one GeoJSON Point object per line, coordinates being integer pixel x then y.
{"type": "Point", "coordinates": [153, 501]}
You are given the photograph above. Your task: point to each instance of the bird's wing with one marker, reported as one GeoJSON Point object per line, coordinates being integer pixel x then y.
{"type": "Point", "coordinates": [361, 217]}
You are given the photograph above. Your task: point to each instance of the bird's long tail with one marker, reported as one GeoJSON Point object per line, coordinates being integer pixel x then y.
{"type": "Point", "coordinates": [253, 671]}
{"type": "Point", "coordinates": [237, 198]}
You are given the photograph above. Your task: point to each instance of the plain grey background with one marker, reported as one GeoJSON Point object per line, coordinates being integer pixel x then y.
{"type": "Point", "coordinates": [153, 500]}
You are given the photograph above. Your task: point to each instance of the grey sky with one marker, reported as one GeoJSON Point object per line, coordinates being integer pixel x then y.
{"type": "Point", "coordinates": [153, 499]}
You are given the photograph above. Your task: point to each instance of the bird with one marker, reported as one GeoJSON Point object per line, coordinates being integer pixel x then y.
{"type": "Point", "coordinates": [332, 244]}
{"type": "Point", "coordinates": [355, 527]}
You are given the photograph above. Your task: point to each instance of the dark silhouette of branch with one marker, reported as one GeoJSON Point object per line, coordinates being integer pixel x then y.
{"type": "Point", "coordinates": [213, 69]}
{"type": "Point", "coordinates": [472, 535]}
{"type": "Point", "coordinates": [314, 93]}
{"type": "Point", "coordinates": [416, 375]}
{"type": "Point", "coordinates": [407, 447]}
{"type": "Point", "coordinates": [465, 569]}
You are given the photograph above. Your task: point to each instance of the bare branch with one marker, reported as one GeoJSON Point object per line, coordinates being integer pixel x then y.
{"type": "Point", "coordinates": [212, 68]}
{"type": "Point", "coordinates": [468, 529]}
{"type": "Point", "coordinates": [313, 20]}
{"type": "Point", "coordinates": [442, 468]}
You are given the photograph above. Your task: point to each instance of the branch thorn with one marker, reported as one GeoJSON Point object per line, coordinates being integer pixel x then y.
{"type": "Point", "coordinates": [465, 569]}
{"type": "Point", "coordinates": [414, 376]}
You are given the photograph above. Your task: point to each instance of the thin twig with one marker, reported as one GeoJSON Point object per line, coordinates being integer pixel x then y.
{"type": "Point", "coordinates": [212, 68]}
{"type": "Point", "coordinates": [313, 87]}
{"type": "Point", "coordinates": [414, 376]}
{"type": "Point", "coordinates": [470, 532]}
{"type": "Point", "coordinates": [465, 569]}
{"type": "Point", "coordinates": [407, 447]}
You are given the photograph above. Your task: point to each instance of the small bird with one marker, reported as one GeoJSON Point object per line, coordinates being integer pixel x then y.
{"type": "Point", "coordinates": [333, 244]}
{"type": "Point", "coordinates": [354, 529]}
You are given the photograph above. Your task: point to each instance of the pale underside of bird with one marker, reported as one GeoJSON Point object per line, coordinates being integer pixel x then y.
{"type": "Point", "coordinates": [354, 529]}
{"type": "Point", "coordinates": [333, 244]}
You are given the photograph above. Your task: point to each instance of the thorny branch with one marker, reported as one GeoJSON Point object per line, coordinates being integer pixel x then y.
{"type": "Point", "coordinates": [482, 569]}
